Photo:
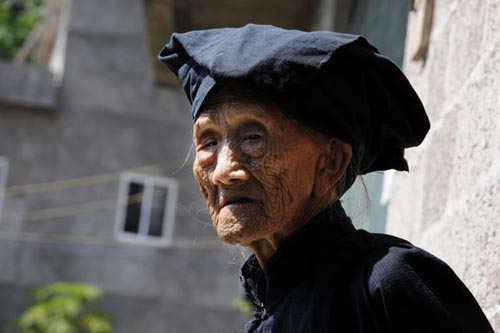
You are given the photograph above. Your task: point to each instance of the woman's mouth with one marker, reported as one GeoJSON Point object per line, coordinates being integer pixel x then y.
{"type": "Point", "coordinates": [224, 202]}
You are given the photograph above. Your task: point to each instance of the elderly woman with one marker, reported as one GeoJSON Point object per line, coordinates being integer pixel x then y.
{"type": "Point", "coordinates": [284, 122]}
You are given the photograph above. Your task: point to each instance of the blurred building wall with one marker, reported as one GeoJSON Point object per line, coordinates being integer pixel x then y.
{"type": "Point", "coordinates": [449, 202]}
{"type": "Point", "coordinates": [383, 23]}
{"type": "Point", "coordinates": [108, 117]}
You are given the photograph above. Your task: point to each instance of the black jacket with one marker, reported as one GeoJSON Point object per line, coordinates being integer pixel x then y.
{"type": "Point", "coordinates": [331, 278]}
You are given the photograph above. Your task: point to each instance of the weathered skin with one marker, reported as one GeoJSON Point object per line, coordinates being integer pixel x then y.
{"type": "Point", "coordinates": [263, 174]}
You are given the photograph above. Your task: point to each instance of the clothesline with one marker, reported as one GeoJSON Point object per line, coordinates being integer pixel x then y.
{"type": "Point", "coordinates": [172, 167]}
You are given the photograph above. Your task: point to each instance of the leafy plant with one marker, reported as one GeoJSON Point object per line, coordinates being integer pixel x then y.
{"type": "Point", "coordinates": [17, 19]}
{"type": "Point", "coordinates": [244, 306]}
{"type": "Point", "coordinates": [64, 308]}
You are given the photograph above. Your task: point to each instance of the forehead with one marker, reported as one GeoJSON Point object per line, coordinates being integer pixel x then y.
{"type": "Point", "coordinates": [234, 113]}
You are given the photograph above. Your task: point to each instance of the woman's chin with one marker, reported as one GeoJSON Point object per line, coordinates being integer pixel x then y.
{"type": "Point", "coordinates": [233, 231]}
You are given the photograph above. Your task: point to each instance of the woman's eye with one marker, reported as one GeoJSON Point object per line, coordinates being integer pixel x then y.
{"type": "Point", "coordinates": [205, 151]}
{"type": "Point", "coordinates": [253, 137]}
{"type": "Point", "coordinates": [210, 143]}
{"type": "Point", "coordinates": [253, 144]}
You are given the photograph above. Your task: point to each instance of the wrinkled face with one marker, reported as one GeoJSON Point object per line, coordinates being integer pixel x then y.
{"type": "Point", "coordinates": [256, 169]}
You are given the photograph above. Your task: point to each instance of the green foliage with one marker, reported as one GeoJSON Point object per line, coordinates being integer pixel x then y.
{"type": "Point", "coordinates": [244, 306]}
{"type": "Point", "coordinates": [64, 308]}
{"type": "Point", "coordinates": [17, 19]}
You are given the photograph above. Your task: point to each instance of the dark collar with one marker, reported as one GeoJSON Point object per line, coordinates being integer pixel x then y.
{"type": "Point", "coordinates": [298, 256]}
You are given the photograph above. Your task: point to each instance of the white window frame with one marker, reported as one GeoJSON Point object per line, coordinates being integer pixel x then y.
{"type": "Point", "coordinates": [149, 182]}
{"type": "Point", "coordinates": [57, 59]}
{"type": "Point", "coordinates": [4, 168]}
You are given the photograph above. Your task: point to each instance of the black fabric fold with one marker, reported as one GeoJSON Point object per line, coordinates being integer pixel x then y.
{"type": "Point", "coordinates": [329, 277]}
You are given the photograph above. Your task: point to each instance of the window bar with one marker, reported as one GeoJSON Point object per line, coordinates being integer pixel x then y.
{"type": "Point", "coordinates": [4, 165]}
{"type": "Point", "coordinates": [146, 206]}
{"type": "Point", "coordinates": [169, 216]}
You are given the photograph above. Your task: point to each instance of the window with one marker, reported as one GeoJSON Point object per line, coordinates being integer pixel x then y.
{"type": "Point", "coordinates": [4, 165]}
{"type": "Point", "coordinates": [146, 209]}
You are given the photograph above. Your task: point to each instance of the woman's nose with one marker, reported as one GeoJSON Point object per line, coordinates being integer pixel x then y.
{"type": "Point", "coordinates": [228, 169]}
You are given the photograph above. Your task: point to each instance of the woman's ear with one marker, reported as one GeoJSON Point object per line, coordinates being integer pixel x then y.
{"type": "Point", "coordinates": [332, 166]}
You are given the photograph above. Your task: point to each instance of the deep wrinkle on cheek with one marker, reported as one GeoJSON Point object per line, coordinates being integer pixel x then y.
{"type": "Point", "coordinates": [276, 153]}
{"type": "Point", "coordinates": [208, 191]}
{"type": "Point", "coordinates": [269, 173]}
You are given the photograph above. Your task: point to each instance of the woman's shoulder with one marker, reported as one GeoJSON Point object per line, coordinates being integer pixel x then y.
{"type": "Point", "coordinates": [412, 290]}
{"type": "Point", "coordinates": [387, 259]}
{"type": "Point", "coordinates": [389, 263]}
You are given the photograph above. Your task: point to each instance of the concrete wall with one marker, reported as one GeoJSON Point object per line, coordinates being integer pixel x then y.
{"type": "Point", "coordinates": [109, 117]}
{"type": "Point", "coordinates": [26, 86]}
{"type": "Point", "coordinates": [449, 203]}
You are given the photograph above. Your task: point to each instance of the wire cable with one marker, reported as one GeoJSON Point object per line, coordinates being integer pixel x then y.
{"type": "Point", "coordinates": [97, 179]}
{"type": "Point", "coordinates": [74, 209]}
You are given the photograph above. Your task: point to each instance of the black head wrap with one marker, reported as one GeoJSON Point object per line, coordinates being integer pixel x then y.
{"type": "Point", "coordinates": [336, 83]}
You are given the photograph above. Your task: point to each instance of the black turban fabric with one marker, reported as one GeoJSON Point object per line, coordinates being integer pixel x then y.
{"type": "Point", "coordinates": [336, 83]}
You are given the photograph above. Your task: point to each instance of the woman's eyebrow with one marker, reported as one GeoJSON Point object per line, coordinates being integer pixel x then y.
{"type": "Point", "coordinates": [213, 114]}
{"type": "Point", "coordinates": [250, 124]}
{"type": "Point", "coordinates": [205, 121]}
{"type": "Point", "coordinates": [200, 131]}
